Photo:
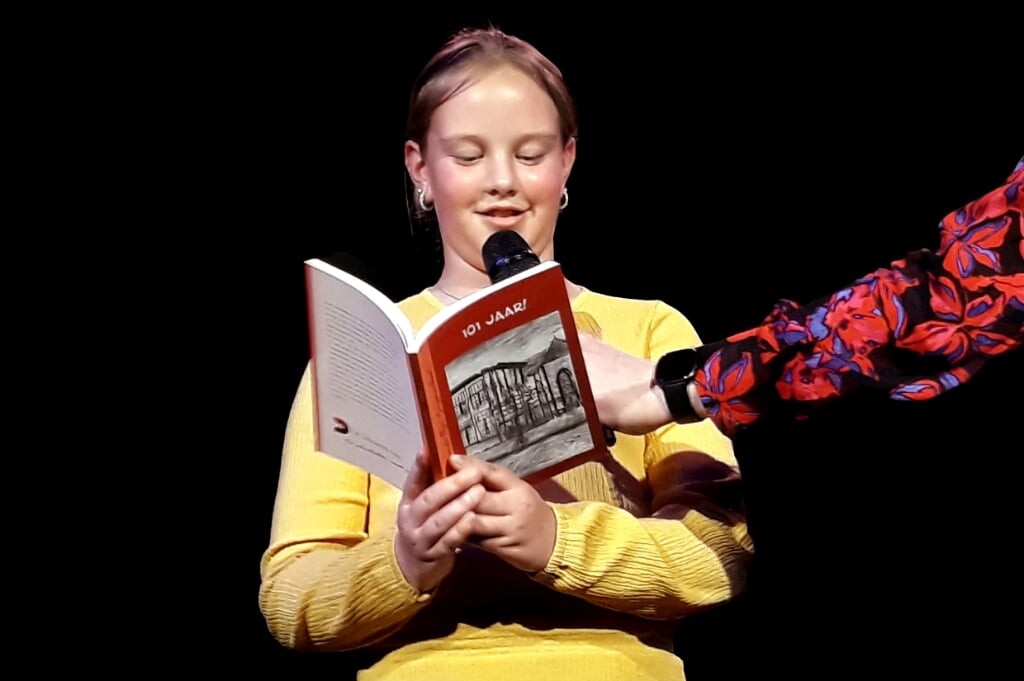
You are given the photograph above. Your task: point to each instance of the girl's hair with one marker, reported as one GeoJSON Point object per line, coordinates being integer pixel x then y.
{"type": "Point", "coordinates": [471, 51]}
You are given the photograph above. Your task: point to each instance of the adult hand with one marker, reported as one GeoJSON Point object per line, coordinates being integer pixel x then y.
{"type": "Point", "coordinates": [434, 520]}
{"type": "Point", "coordinates": [622, 387]}
{"type": "Point", "coordinates": [511, 521]}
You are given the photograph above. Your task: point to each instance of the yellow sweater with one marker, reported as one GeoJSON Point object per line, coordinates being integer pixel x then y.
{"type": "Point", "coordinates": [649, 536]}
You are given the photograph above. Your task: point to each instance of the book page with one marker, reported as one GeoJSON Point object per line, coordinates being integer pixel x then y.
{"type": "Point", "coordinates": [364, 397]}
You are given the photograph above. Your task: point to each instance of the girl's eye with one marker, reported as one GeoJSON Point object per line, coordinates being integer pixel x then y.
{"type": "Point", "coordinates": [465, 159]}
{"type": "Point", "coordinates": [530, 159]}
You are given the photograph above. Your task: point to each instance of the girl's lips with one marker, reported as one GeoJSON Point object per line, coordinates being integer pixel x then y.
{"type": "Point", "coordinates": [502, 218]}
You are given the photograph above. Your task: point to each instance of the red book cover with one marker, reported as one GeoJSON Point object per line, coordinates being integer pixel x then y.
{"type": "Point", "coordinates": [498, 375]}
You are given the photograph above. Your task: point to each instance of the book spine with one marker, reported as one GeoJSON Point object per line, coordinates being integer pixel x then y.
{"type": "Point", "coordinates": [311, 330]}
{"type": "Point", "coordinates": [433, 417]}
{"type": "Point", "coordinates": [598, 432]}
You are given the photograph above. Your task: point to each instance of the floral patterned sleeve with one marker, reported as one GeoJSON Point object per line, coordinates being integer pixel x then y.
{"type": "Point", "coordinates": [916, 329]}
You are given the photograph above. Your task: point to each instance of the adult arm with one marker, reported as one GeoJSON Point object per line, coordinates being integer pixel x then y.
{"type": "Point", "coordinates": [916, 329]}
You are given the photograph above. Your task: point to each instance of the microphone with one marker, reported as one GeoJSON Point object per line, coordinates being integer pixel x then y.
{"type": "Point", "coordinates": [506, 253]}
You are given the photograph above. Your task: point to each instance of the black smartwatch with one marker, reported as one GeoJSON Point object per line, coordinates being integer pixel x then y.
{"type": "Point", "coordinates": [673, 373]}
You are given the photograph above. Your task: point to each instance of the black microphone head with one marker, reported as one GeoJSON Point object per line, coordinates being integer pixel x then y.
{"type": "Point", "coordinates": [506, 253]}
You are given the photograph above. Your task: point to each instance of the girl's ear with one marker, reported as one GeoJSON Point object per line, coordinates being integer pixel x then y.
{"type": "Point", "coordinates": [568, 159]}
{"type": "Point", "coordinates": [416, 164]}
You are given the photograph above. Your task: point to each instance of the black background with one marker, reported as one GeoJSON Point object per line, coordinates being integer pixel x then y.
{"type": "Point", "coordinates": [723, 163]}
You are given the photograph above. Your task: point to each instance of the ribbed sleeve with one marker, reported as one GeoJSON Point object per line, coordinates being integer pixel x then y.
{"type": "Point", "coordinates": [339, 598]}
{"type": "Point", "coordinates": [326, 585]}
{"type": "Point", "coordinates": [693, 551]}
{"type": "Point", "coordinates": [660, 569]}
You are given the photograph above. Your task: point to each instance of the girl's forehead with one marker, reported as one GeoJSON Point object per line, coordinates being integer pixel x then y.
{"type": "Point", "coordinates": [501, 97]}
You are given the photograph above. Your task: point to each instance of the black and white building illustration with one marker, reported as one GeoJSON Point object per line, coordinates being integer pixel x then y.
{"type": "Point", "coordinates": [517, 398]}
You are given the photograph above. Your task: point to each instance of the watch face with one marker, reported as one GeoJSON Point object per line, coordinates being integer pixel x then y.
{"type": "Point", "coordinates": [677, 366]}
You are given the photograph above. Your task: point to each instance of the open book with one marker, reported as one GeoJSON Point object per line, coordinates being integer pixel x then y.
{"type": "Point", "coordinates": [498, 375]}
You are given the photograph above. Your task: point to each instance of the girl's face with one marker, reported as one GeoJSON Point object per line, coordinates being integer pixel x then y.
{"type": "Point", "coordinates": [493, 159]}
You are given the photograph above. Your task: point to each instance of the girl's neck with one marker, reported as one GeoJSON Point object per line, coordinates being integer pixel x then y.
{"type": "Point", "coordinates": [450, 289]}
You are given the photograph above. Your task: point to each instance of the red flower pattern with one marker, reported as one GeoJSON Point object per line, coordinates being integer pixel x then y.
{"type": "Point", "coordinates": [960, 306]}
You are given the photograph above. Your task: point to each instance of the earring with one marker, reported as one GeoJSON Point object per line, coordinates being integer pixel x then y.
{"type": "Point", "coordinates": [419, 198]}
{"type": "Point", "coordinates": [565, 199]}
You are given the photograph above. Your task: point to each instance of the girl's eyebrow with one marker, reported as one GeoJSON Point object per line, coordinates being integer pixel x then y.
{"type": "Point", "coordinates": [528, 137]}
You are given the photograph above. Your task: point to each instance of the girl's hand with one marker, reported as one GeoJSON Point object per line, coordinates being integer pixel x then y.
{"type": "Point", "coordinates": [434, 520]}
{"type": "Point", "coordinates": [511, 520]}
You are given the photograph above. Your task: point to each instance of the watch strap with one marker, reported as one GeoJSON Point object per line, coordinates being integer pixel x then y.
{"type": "Point", "coordinates": [673, 373]}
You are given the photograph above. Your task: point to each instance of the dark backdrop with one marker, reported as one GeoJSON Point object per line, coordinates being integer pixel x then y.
{"type": "Point", "coordinates": [721, 166]}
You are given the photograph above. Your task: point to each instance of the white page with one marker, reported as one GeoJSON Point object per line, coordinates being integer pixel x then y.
{"type": "Point", "coordinates": [360, 355]}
